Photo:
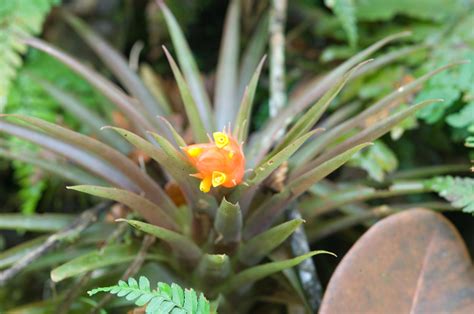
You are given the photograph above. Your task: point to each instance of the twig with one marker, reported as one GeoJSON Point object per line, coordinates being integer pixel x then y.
{"type": "Point", "coordinates": [73, 293]}
{"type": "Point", "coordinates": [338, 224]}
{"type": "Point", "coordinates": [76, 290]}
{"type": "Point", "coordinates": [277, 56]}
{"type": "Point", "coordinates": [148, 240]}
{"type": "Point", "coordinates": [80, 224]}
{"type": "Point", "coordinates": [306, 270]}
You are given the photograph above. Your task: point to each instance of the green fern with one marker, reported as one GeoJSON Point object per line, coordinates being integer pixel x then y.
{"type": "Point", "coordinates": [164, 299]}
{"type": "Point", "coordinates": [459, 191]}
{"type": "Point", "coordinates": [346, 13]}
{"type": "Point", "coordinates": [27, 96]}
{"type": "Point", "coordinates": [19, 17]}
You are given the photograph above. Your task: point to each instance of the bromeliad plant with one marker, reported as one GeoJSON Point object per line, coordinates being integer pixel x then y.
{"type": "Point", "coordinates": [222, 220]}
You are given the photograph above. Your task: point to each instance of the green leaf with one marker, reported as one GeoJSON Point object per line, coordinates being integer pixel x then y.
{"type": "Point", "coordinates": [17, 19]}
{"type": "Point", "coordinates": [170, 160]}
{"type": "Point", "coordinates": [11, 256]}
{"type": "Point", "coordinates": [177, 294]}
{"type": "Point", "coordinates": [374, 131]}
{"type": "Point", "coordinates": [174, 155]}
{"type": "Point", "coordinates": [102, 84]}
{"type": "Point", "coordinates": [111, 255]}
{"type": "Point", "coordinates": [190, 69]}
{"type": "Point", "coordinates": [177, 137]}
{"type": "Point", "coordinates": [117, 64]}
{"type": "Point", "coordinates": [377, 160]}
{"type": "Point", "coordinates": [225, 104]}
{"type": "Point", "coordinates": [190, 301]}
{"type": "Point", "coordinates": [457, 190]}
{"type": "Point", "coordinates": [318, 86]}
{"type": "Point", "coordinates": [150, 211]}
{"type": "Point", "coordinates": [195, 119]}
{"type": "Point", "coordinates": [256, 273]}
{"type": "Point", "coordinates": [129, 170]}
{"type": "Point", "coordinates": [165, 299]}
{"type": "Point", "coordinates": [86, 116]}
{"type": "Point", "coordinates": [312, 91]}
{"type": "Point", "coordinates": [228, 222]}
{"type": "Point", "coordinates": [68, 172]}
{"type": "Point", "coordinates": [204, 306]}
{"type": "Point", "coordinates": [253, 53]}
{"type": "Point", "coordinates": [432, 10]}
{"type": "Point", "coordinates": [242, 120]}
{"type": "Point", "coordinates": [214, 267]}
{"type": "Point", "coordinates": [345, 11]}
{"type": "Point", "coordinates": [90, 162]}
{"type": "Point", "coordinates": [309, 119]}
{"type": "Point", "coordinates": [35, 223]}
{"type": "Point", "coordinates": [179, 243]}
{"type": "Point", "coordinates": [303, 183]}
{"type": "Point", "coordinates": [267, 167]}
{"type": "Point", "coordinates": [462, 119]}
{"type": "Point", "coordinates": [154, 84]}
{"type": "Point", "coordinates": [261, 245]}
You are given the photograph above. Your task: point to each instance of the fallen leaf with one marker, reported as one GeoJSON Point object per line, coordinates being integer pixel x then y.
{"type": "Point", "coordinates": [411, 262]}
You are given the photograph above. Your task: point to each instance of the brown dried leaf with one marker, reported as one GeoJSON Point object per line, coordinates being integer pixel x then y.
{"type": "Point", "coordinates": [411, 262]}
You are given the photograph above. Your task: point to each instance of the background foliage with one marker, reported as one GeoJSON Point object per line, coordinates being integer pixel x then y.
{"type": "Point", "coordinates": [423, 161]}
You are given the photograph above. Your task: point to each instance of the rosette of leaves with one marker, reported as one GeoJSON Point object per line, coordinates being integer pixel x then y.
{"type": "Point", "coordinates": [221, 243]}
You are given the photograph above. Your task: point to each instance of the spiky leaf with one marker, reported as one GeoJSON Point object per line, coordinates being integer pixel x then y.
{"type": "Point", "coordinates": [151, 211]}
{"type": "Point", "coordinates": [256, 273]}
{"type": "Point", "coordinates": [260, 246]}
{"type": "Point", "coordinates": [112, 255]}
{"type": "Point", "coordinates": [179, 243]}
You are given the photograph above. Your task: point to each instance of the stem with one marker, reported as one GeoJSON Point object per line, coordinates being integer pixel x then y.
{"type": "Point", "coordinates": [306, 271]}
{"type": "Point", "coordinates": [134, 267]}
{"type": "Point", "coordinates": [312, 208]}
{"type": "Point", "coordinates": [277, 56]}
{"type": "Point", "coordinates": [316, 233]}
{"type": "Point", "coordinates": [87, 218]}
{"type": "Point", "coordinates": [429, 171]}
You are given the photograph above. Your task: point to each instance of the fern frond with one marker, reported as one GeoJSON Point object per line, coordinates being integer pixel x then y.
{"type": "Point", "coordinates": [345, 11]}
{"type": "Point", "coordinates": [459, 191]}
{"type": "Point", "coordinates": [17, 18]}
{"type": "Point", "coordinates": [163, 299]}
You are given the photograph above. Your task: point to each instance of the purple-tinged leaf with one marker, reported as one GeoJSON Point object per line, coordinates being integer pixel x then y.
{"type": "Point", "coordinates": [198, 124]}
{"type": "Point", "coordinates": [181, 245]}
{"type": "Point", "coordinates": [150, 211]}
{"type": "Point", "coordinates": [143, 182]}
{"type": "Point", "coordinates": [225, 104]}
{"type": "Point", "coordinates": [116, 63]}
{"type": "Point", "coordinates": [84, 159]}
{"type": "Point", "coordinates": [190, 69]}
{"type": "Point", "coordinates": [256, 248]}
{"type": "Point", "coordinates": [107, 88]}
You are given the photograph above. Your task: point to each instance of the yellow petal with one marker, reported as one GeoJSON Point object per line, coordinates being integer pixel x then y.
{"type": "Point", "coordinates": [205, 185]}
{"type": "Point", "coordinates": [221, 139]}
{"type": "Point", "coordinates": [218, 178]}
{"type": "Point", "coordinates": [194, 151]}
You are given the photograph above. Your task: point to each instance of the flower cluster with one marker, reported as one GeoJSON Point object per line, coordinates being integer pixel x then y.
{"type": "Point", "coordinates": [221, 162]}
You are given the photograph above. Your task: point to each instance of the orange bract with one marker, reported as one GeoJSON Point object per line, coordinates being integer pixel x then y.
{"type": "Point", "coordinates": [219, 163]}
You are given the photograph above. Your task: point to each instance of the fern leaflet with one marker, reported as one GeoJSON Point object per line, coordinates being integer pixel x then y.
{"type": "Point", "coordinates": [17, 18]}
{"type": "Point", "coordinates": [164, 299]}
{"type": "Point", "coordinates": [345, 11]}
{"type": "Point", "coordinates": [459, 191]}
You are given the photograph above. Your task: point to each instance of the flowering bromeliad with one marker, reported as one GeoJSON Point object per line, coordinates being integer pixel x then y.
{"type": "Point", "coordinates": [219, 163]}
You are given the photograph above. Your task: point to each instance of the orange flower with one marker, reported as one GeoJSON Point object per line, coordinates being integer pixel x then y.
{"type": "Point", "coordinates": [219, 163]}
